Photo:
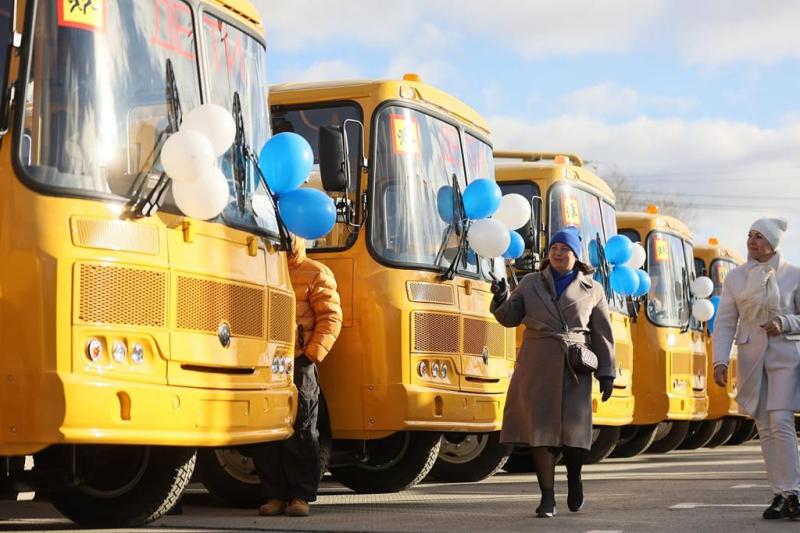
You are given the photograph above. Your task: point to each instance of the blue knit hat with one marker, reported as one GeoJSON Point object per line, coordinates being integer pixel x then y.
{"type": "Point", "coordinates": [569, 236]}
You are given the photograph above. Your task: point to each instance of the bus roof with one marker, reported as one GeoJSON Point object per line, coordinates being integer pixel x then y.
{"type": "Point", "coordinates": [546, 172]}
{"type": "Point", "coordinates": [709, 252]}
{"type": "Point", "coordinates": [243, 9]}
{"type": "Point", "coordinates": [650, 222]}
{"type": "Point", "coordinates": [378, 90]}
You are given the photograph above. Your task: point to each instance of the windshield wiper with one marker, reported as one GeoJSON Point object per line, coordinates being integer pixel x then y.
{"type": "Point", "coordinates": [145, 203]}
{"type": "Point", "coordinates": [458, 225]}
{"type": "Point", "coordinates": [687, 298]}
{"type": "Point", "coordinates": [242, 154]}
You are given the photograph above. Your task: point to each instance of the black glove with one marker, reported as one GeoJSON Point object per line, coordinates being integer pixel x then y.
{"type": "Point", "coordinates": [499, 289]}
{"type": "Point", "coordinates": [606, 388]}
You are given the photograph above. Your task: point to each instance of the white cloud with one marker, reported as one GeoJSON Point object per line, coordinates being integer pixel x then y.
{"type": "Point", "coordinates": [607, 99]}
{"type": "Point", "coordinates": [319, 71]}
{"type": "Point", "coordinates": [718, 163]}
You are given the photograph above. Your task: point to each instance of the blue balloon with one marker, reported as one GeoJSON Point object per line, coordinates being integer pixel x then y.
{"type": "Point", "coordinates": [624, 280]}
{"type": "Point", "coordinates": [618, 250]}
{"type": "Point", "coordinates": [309, 213]}
{"type": "Point", "coordinates": [286, 161]}
{"type": "Point", "coordinates": [715, 302]}
{"type": "Point", "coordinates": [594, 253]}
{"type": "Point", "coordinates": [516, 247]}
{"type": "Point", "coordinates": [481, 199]}
{"type": "Point", "coordinates": [644, 283]}
{"type": "Point", "coordinates": [444, 203]}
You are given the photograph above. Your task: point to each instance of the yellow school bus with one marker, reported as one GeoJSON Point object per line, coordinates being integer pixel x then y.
{"type": "Point", "coordinates": [420, 359]}
{"type": "Point", "coordinates": [669, 357]}
{"type": "Point", "coordinates": [715, 261]}
{"type": "Point", "coordinates": [566, 193]}
{"type": "Point", "coordinates": [132, 335]}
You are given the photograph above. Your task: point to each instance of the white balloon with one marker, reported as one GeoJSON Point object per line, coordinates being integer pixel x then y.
{"type": "Point", "coordinates": [262, 206]}
{"type": "Point", "coordinates": [702, 287]}
{"type": "Point", "coordinates": [488, 237]}
{"type": "Point", "coordinates": [213, 121]}
{"type": "Point", "coordinates": [187, 156]}
{"type": "Point", "coordinates": [514, 211]}
{"type": "Point", "coordinates": [204, 198]}
{"type": "Point", "coordinates": [703, 310]}
{"type": "Point", "coordinates": [638, 256]}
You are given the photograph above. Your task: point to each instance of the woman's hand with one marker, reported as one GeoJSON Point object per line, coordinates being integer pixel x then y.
{"type": "Point", "coordinates": [774, 327]}
{"type": "Point", "coordinates": [721, 375]}
{"type": "Point", "coordinates": [499, 289]}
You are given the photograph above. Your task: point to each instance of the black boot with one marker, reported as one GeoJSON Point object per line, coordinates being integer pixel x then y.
{"type": "Point", "coordinates": [547, 507]}
{"type": "Point", "coordinates": [574, 492]}
{"type": "Point", "coordinates": [791, 507]}
{"type": "Point", "coordinates": [775, 508]}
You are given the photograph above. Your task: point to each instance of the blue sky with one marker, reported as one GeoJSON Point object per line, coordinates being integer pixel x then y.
{"type": "Point", "coordinates": [698, 102]}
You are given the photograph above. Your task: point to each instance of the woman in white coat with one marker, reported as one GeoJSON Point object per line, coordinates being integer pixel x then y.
{"type": "Point", "coordinates": [760, 311]}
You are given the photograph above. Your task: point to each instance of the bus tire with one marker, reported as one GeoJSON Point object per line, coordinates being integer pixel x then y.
{"type": "Point", "coordinates": [121, 486]}
{"type": "Point", "coordinates": [747, 430]}
{"type": "Point", "coordinates": [520, 461]}
{"type": "Point", "coordinates": [700, 432]}
{"type": "Point", "coordinates": [633, 440]}
{"type": "Point", "coordinates": [729, 425]}
{"type": "Point", "coordinates": [469, 457]}
{"type": "Point", "coordinates": [604, 441]}
{"type": "Point", "coordinates": [672, 439]}
{"type": "Point", "coordinates": [392, 464]}
{"type": "Point", "coordinates": [230, 476]}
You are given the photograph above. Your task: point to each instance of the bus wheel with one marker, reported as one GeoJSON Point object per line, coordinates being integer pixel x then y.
{"type": "Point", "coordinates": [604, 440]}
{"type": "Point", "coordinates": [469, 457]}
{"type": "Point", "coordinates": [676, 432]}
{"type": "Point", "coordinates": [119, 486]}
{"type": "Point", "coordinates": [700, 432]}
{"type": "Point", "coordinates": [520, 461]}
{"type": "Point", "coordinates": [726, 430]}
{"type": "Point", "coordinates": [747, 430]}
{"type": "Point", "coordinates": [392, 464]}
{"type": "Point", "coordinates": [230, 476]}
{"type": "Point", "coordinates": [633, 440]}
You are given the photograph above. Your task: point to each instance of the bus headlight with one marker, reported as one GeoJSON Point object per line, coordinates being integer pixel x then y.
{"type": "Point", "coordinates": [94, 349]}
{"type": "Point", "coordinates": [435, 370]}
{"type": "Point", "coordinates": [137, 353]}
{"type": "Point", "coordinates": [119, 351]}
{"type": "Point", "coordinates": [422, 369]}
{"type": "Point", "coordinates": [443, 372]}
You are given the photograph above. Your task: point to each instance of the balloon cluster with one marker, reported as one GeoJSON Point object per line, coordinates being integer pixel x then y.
{"type": "Point", "coordinates": [489, 237]}
{"type": "Point", "coordinates": [286, 161]}
{"type": "Point", "coordinates": [190, 155]}
{"type": "Point", "coordinates": [703, 309]}
{"type": "Point", "coordinates": [626, 278]}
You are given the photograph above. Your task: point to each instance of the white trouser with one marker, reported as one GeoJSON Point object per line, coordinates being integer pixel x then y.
{"type": "Point", "coordinates": [778, 438]}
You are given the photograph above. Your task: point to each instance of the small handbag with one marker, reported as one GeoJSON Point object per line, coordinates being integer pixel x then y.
{"type": "Point", "coordinates": [581, 359]}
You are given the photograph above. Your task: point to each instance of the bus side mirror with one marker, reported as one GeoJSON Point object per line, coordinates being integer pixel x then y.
{"type": "Point", "coordinates": [333, 163]}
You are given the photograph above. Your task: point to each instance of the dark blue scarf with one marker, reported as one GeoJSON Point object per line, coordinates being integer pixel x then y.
{"type": "Point", "coordinates": [561, 282]}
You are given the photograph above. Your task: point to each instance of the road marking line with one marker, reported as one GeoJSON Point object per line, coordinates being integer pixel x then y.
{"type": "Point", "coordinates": [749, 486]}
{"type": "Point", "coordinates": [698, 505]}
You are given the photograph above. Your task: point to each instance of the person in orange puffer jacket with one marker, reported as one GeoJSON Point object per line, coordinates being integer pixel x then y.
{"type": "Point", "coordinates": [290, 469]}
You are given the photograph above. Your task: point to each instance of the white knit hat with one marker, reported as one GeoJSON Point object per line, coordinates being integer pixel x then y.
{"type": "Point", "coordinates": [772, 229]}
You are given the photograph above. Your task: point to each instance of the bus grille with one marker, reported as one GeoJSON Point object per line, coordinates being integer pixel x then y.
{"type": "Point", "coordinates": [430, 293]}
{"type": "Point", "coordinates": [115, 235]}
{"type": "Point", "coordinates": [203, 304]}
{"type": "Point", "coordinates": [121, 295]}
{"type": "Point", "coordinates": [280, 318]}
{"type": "Point", "coordinates": [479, 333]}
{"type": "Point", "coordinates": [435, 333]}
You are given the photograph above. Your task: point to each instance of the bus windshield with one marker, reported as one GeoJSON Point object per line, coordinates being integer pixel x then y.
{"type": "Point", "coordinates": [416, 156]}
{"type": "Point", "coordinates": [720, 268]}
{"type": "Point", "coordinates": [668, 301]}
{"type": "Point", "coordinates": [236, 63]}
{"type": "Point", "coordinates": [95, 97]}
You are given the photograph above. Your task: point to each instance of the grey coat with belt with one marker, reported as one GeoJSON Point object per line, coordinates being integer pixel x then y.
{"type": "Point", "coordinates": [547, 403]}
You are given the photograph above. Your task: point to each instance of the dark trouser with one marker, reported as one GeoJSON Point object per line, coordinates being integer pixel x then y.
{"type": "Point", "coordinates": [291, 468]}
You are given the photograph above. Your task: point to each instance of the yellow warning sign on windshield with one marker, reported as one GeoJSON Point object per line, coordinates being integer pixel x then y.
{"type": "Point", "coordinates": [84, 14]}
{"type": "Point", "coordinates": [405, 135]}
{"type": "Point", "coordinates": [571, 211]}
{"type": "Point", "coordinates": [662, 249]}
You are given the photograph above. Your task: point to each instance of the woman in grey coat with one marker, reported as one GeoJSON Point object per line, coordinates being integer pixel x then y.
{"type": "Point", "coordinates": [549, 406]}
{"type": "Point", "coordinates": [760, 311]}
